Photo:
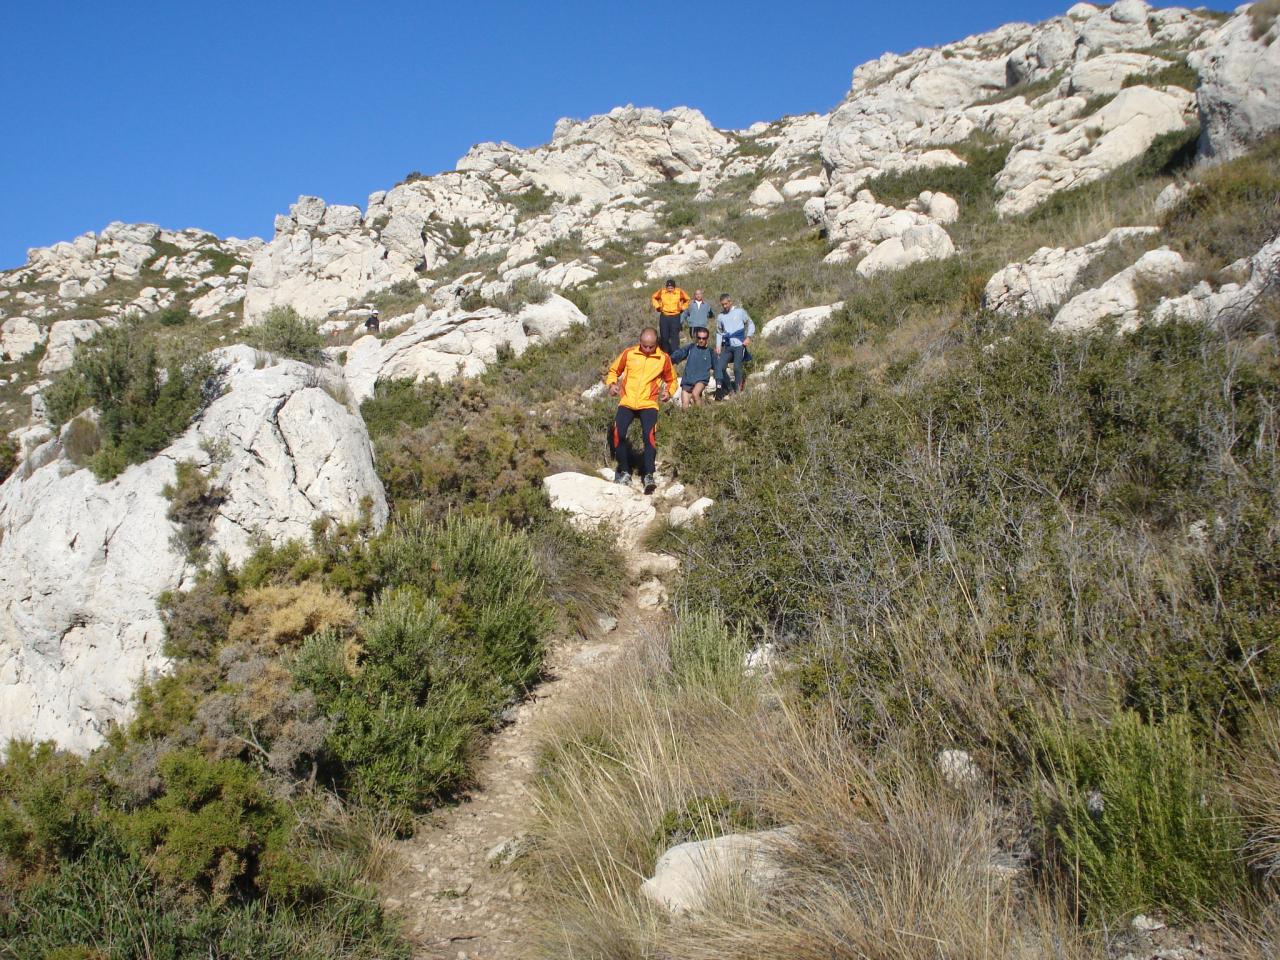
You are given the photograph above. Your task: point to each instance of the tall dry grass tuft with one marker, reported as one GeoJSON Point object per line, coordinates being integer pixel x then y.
{"type": "Point", "coordinates": [887, 859]}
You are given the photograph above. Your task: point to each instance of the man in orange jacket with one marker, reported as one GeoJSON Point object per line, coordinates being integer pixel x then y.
{"type": "Point", "coordinates": [641, 377]}
{"type": "Point", "coordinates": [670, 301]}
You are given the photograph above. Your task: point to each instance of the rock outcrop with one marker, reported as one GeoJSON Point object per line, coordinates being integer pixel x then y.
{"type": "Point", "coordinates": [82, 563]}
{"type": "Point", "coordinates": [1239, 93]}
{"type": "Point", "coordinates": [1120, 298]}
{"type": "Point", "coordinates": [448, 343]}
{"type": "Point", "coordinates": [685, 874]}
{"type": "Point", "coordinates": [1044, 279]}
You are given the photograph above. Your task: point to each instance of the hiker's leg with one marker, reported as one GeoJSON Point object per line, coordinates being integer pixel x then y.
{"type": "Point", "coordinates": [722, 362]}
{"type": "Point", "coordinates": [618, 438]}
{"type": "Point", "coordinates": [669, 333]}
{"type": "Point", "coordinates": [686, 398]}
{"type": "Point", "coordinates": [696, 393]}
{"type": "Point", "coordinates": [649, 423]}
{"type": "Point", "coordinates": [739, 368]}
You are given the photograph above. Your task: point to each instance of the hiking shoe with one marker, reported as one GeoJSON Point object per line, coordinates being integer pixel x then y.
{"type": "Point", "coordinates": [622, 478]}
{"type": "Point", "coordinates": [650, 483]}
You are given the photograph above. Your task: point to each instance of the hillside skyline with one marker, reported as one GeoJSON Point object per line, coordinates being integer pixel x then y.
{"type": "Point", "coordinates": [277, 117]}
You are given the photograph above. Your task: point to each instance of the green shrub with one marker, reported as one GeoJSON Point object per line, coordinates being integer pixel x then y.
{"type": "Point", "coordinates": [971, 185]}
{"type": "Point", "coordinates": [707, 653]}
{"type": "Point", "coordinates": [1134, 820]}
{"type": "Point", "coordinates": [8, 458]}
{"type": "Point", "coordinates": [214, 828]}
{"type": "Point", "coordinates": [1232, 211]}
{"type": "Point", "coordinates": [531, 202]}
{"type": "Point", "coordinates": [108, 904]}
{"type": "Point", "coordinates": [702, 818]}
{"type": "Point", "coordinates": [48, 810]}
{"type": "Point", "coordinates": [140, 409]}
{"type": "Point", "coordinates": [193, 505]}
{"type": "Point", "coordinates": [175, 316]}
{"type": "Point", "coordinates": [1177, 73]}
{"type": "Point", "coordinates": [281, 331]}
{"type": "Point", "coordinates": [578, 569]}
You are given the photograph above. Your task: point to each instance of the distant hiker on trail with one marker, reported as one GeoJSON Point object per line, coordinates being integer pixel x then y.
{"type": "Point", "coordinates": [734, 330]}
{"type": "Point", "coordinates": [699, 362]}
{"type": "Point", "coordinates": [698, 314]}
{"type": "Point", "coordinates": [641, 377]}
{"type": "Point", "coordinates": [372, 323]}
{"type": "Point", "coordinates": [670, 301]}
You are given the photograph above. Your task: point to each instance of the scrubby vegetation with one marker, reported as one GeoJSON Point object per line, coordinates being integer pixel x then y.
{"type": "Point", "coordinates": [960, 532]}
{"type": "Point", "coordinates": [282, 332]}
{"type": "Point", "coordinates": [138, 406]}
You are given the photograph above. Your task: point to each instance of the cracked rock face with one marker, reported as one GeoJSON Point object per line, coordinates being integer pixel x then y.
{"type": "Point", "coordinates": [82, 562]}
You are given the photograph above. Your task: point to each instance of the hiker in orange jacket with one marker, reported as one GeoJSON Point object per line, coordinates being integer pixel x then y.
{"type": "Point", "coordinates": [641, 377]}
{"type": "Point", "coordinates": [670, 301]}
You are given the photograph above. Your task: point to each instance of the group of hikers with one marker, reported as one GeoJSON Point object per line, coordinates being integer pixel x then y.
{"type": "Point", "coordinates": [642, 377]}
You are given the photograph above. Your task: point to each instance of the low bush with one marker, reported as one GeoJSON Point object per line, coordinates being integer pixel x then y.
{"type": "Point", "coordinates": [282, 332]}
{"type": "Point", "coordinates": [1232, 211]}
{"type": "Point", "coordinates": [140, 408]}
{"type": "Point", "coordinates": [971, 185]}
{"type": "Point", "coordinates": [193, 505]}
{"type": "Point", "coordinates": [1176, 73]}
{"type": "Point", "coordinates": [1135, 820]}
{"type": "Point", "coordinates": [8, 458]}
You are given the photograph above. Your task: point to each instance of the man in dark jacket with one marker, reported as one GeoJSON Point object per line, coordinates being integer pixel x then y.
{"type": "Point", "coordinates": [699, 360]}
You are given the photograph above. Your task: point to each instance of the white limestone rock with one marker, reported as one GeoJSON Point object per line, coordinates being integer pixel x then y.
{"type": "Point", "coordinates": [916, 245]}
{"type": "Point", "coordinates": [1106, 73]}
{"type": "Point", "coordinates": [1239, 93]}
{"type": "Point", "coordinates": [443, 344]}
{"type": "Point", "coordinates": [19, 336]}
{"type": "Point", "coordinates": [1090, 148]}
{"type": "Point", "coordinates": [594, 503]}
{"type": "Point", "coordinates": [726, 254]}
{"type": "Point", "coordinates": [82, 562]}
{"type": "Point", "coordinates": [1229, 305]}
{"type": "Point", "coordinates": [800, 323]}
{"type": "Point", "coordinates": [64, 337]}
{"type": "Point", "coordinates": [765, 195]}
{"type": "Point", "coordinates": [1119, 298]}
{"type": "Point", "coordinates": [685, 873]}
{"type": "Point", "coordinates": [1044, 279]}
{"type": "Point", "coordinates": [804, 187]}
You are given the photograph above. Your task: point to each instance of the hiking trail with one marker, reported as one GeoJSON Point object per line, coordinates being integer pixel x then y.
{"type": "Point", "coordinates": [458, 898]}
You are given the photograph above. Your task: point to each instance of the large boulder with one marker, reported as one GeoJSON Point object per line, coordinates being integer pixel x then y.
{"type": "Point", "coordinates": [594, 503]}
{"type": "Point", "coordinates": [800, 323]}
{"type": "Point", "coordinates": [1229, 305]}
{"type": "Point", "coordinates": [1120, 298]}
{"type": "Point", "coordinates": [451, 342]}
{"type": "Point", "coordinates": [1239, 94]}
{"type": "Point", "coordinates": [916, 245]}
{"type": "Point", "coordinates": [685, 874]}
{"type": "Point", "coordinates": [1045, 278]}
{"type": "Point", "coordinates": [1090, 148]}
{"type": "Point", "coordinates": [82, 563]}
{"type": "Point", "coordinates": [19, 336]}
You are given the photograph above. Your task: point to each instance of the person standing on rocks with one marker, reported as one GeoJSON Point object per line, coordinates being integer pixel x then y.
{"type": "Point", "coordinates": [670, 302]}
{"type": "Point", "coordinates": [641, 377]}
{"type": "Point", "coordinates": [699, 362]}
{"type": "Point", "coordinates": [698, 314]}
{"type": "Point", "coordinates": [734, 330]}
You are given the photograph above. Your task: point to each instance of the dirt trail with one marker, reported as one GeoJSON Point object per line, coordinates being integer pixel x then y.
{"type": "Point", "coordinates": [457, 904]}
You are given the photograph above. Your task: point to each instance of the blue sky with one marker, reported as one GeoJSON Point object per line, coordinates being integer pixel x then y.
{"type": "Point", "coordinates": [218, 115]}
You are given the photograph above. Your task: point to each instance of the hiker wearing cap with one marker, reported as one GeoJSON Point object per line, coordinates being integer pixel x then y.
{"type": "Point", "coordinates": [372, 323]}
{"type": "Point", "coordinates": [698, 314]}
{"type": "Point", "coordinates": [699, 362]}
{"type": "Point", "coordinates": [734, 330]}
{"type": "Point", "coordinates": [641, 377]}
{"type": "Point", "coordinates": [670, 301]}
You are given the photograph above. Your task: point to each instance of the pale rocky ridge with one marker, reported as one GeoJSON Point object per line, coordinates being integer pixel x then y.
{"type": "Point", "coordinates": [82, 563]}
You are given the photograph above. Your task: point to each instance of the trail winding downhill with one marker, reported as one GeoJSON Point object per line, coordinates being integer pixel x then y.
{"type": "Point", "coordinates": [461, 898]}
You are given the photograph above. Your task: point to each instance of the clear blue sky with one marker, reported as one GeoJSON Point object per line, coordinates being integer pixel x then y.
{"type": "Point", "coordinates": [218, 115]}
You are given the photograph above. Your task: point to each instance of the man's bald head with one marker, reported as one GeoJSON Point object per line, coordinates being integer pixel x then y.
{"type": "Point", "coordinates": [648, 337]}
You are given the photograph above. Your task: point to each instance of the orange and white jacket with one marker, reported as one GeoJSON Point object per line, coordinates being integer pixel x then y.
{"type": "Point", "coordinates": [669, 302]}
{"type": "Point", "coordinates": [640, 376]}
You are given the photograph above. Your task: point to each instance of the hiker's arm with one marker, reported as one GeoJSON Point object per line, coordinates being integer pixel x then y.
{"type": "Point", "coordinates": [616, 369]}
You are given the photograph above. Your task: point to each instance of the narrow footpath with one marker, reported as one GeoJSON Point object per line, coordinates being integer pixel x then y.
{"type": "Point", "coordinates": [453, 881]}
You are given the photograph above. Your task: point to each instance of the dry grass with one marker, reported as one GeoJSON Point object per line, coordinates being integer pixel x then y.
{"type": "Point", "coordinates": [889, 861]}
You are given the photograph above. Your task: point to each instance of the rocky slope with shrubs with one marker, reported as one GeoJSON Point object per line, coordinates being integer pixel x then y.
{"type": "Point", "coordinates": [952, 634]}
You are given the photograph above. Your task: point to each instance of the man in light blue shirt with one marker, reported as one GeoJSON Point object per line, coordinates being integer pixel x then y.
{"type": "Point", "coordinates": [734, 330]}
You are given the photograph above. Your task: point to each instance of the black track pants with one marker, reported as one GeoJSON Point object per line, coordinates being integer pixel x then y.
{"type": "Point", "coordinates": [669, 333]}
{"type": "Point", "coordinates": [618, 437]}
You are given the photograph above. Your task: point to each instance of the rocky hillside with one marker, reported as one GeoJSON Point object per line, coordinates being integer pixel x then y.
{"type": "Point", "coordinates": [1022, 287]}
